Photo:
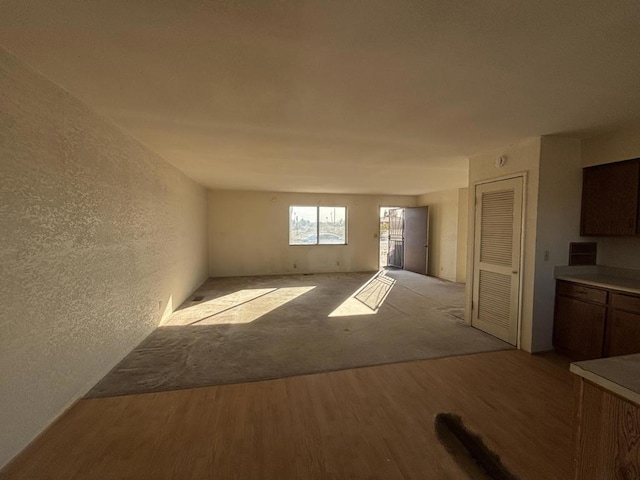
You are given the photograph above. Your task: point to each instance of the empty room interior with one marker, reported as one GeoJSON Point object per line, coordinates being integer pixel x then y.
{"type": "Point", "coordinates": [319, 240]}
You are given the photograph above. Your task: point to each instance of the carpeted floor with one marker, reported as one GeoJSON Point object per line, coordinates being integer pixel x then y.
{"type": "Point", "coordinates": [255, 328]}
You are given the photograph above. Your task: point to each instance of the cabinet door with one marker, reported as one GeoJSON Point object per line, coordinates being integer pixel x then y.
{"type": "Point", "coordinates": [578, 328]}
{"type": "Point", "coordinates": [610, 199]}
{"type": "Point", "coordinates": [623, 333]}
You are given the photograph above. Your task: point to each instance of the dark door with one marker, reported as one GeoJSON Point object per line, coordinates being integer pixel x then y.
{"type": "Point", "coordinates": [416, 238]}
{"type": "Point", "coordinates": [396, 238]}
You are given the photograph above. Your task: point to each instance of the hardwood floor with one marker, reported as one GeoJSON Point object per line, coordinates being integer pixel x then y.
{"type": "Point", "coordinates": [366, 423]}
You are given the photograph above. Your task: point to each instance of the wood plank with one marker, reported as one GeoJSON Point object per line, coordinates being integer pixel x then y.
{"type": "Point", "coordinates": [608, 437]}
{"type": "Point", "coordinates": [373, 423]}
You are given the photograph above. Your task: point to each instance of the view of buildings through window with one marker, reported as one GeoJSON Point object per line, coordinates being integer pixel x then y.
{"type": "Point", "coordinates": [317, 225]}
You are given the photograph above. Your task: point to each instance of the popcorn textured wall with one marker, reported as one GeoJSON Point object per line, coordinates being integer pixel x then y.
{"type": "Point", "coordinates": [99, 238]}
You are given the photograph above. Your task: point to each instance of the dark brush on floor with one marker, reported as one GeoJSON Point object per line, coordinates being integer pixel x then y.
{"type": "Point", "coordinates": [468, 450]}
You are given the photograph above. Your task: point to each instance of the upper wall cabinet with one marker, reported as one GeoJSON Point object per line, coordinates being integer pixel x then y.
{"type": "Point", "coordinates": [610, 199]}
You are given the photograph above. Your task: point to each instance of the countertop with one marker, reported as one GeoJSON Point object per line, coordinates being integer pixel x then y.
{"type": "Point", "coordinates": [620, 375]}
{"type": "Point", "coordinates": [623, 284]}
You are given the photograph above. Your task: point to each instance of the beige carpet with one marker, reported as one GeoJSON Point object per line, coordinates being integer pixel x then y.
{"type": "Point", "coordinates": [255, 328]}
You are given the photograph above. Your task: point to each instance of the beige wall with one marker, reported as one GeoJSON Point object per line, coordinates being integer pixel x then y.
{"type": "Point", "coordinates": [559, 195]}
{"type": "Point", "coordinates": [99, 238]}
{"type": "Point", "coordinates": [463, 229]}
{"type": "Point", "coordinates": [552, 220]}
{"type": "Point", "coordinates": [443, 232]}
{"type": "Point", "coordinates": [623, 144]}
{"type": "Point", "coordinates": [621, 252]}
{"type": "Point", "coordinates": [521, 157]}
{"type": "Point", "coordinates": [249, 233]}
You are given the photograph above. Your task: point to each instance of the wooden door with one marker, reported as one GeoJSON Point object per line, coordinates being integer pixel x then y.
{"type": "Point", "coordinates": [416, 236]}
{"type": "Point", "coordinates": [496, 261]}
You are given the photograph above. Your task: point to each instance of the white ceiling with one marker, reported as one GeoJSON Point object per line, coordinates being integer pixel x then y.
{"type": "Point", "coordinates": [337, 96]}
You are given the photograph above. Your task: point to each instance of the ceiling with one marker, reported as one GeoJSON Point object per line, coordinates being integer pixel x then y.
{"type": "Point", "coordinates": [332, 96]}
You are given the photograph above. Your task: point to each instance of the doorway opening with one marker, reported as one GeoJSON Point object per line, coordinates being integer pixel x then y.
{"type": "Point", "coordinates": [404, 233]}
{"type": "Point", "coordinates": [391, 246]}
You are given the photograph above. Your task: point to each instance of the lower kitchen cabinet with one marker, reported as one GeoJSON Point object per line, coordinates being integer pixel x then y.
{"type": "Point", "coordinates": [579, 320]}
{"type": "Point", "coordinates": [592, 322]}
{"type": "Point", "coordinates": [624, 333]}
{"type": "Point", "coordinates": [579, 328]}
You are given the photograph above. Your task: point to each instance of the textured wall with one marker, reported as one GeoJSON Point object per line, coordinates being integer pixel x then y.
{"type": "Point", "coordinates": [443, 232]}
{"type": "Point", "coordinates": [99, 237]}
{"type": "Point", "coordinates": [249, 233]}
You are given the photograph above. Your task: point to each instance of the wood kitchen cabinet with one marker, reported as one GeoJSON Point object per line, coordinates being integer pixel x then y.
{"type": "Point", "coordinates": [579, 320]}
{"type": "Point", "coordinates": [623, 325]}
{"type": "Point", "coordinates": [610, 199]}
{"type": "Point", "coordinates": [591, 322]}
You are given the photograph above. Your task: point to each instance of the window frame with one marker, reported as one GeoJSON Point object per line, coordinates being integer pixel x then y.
{"type": "Point", "coordinates": [318, 244]}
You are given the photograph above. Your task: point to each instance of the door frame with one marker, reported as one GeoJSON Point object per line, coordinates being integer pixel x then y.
{"type": "Point", "coordinates": [471, 246]}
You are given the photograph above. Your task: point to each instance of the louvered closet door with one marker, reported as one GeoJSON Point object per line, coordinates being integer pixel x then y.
{"type": "Point", "coordinates": [496, 272]}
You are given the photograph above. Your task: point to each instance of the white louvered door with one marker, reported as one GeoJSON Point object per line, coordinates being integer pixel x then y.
{"type": "Point", "coordinates": [496, 269]}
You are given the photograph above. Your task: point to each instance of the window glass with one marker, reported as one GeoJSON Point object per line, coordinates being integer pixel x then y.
{"type": "Point", "coordinates": [317, 225]}
{"type": "Point", "coordinates": [333, 225]}
{"type": "Point", "coordinates": [303, 225]}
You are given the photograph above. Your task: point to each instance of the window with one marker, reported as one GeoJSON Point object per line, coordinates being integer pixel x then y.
{"type": "Point", "coordinates": [317, 225]}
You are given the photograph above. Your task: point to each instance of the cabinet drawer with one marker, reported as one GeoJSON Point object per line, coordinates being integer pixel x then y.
{"type": "Point", "coordinates": [625, 302]}
{"type": "Point", "coordinates": [581, 292]}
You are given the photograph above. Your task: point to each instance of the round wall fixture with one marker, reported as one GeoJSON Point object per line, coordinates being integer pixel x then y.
{"type": "Point", "coordinates": [500, 161]}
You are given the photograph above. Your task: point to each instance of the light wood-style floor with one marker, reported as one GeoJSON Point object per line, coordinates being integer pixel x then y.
{"type": "Point", "coordinates": [366, 423]}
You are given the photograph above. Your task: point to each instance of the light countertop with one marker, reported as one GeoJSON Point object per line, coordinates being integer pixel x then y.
{"type": "Point", "coordinates": [620, 375]}
{"type": "Point", "coordinates": [623, 284]}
